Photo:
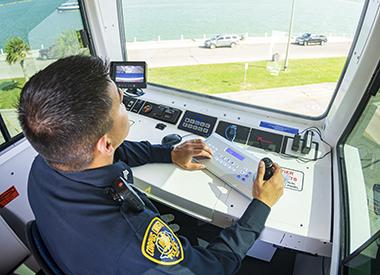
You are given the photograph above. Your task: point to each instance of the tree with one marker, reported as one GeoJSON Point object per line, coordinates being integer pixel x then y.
{"type": "Point", "coordinates": [16, 50]}
{"type": "Point", "coordinates": [68, 43]}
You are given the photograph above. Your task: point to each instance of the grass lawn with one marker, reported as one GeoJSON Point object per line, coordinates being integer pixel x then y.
{"type": "Point", "coordinates": [229, 77]}
{"type": "Point", "coordinates": [10, 92]}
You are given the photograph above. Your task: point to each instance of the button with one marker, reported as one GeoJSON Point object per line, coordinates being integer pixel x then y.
{"type": "Point", "coordinates": [249, 173]}
{"type": "Point", "coordinates": [197, 122]}
{"type": "Point", "coordinates": [195, 128]}
{"type": "Point", "coordinates": [147, 108]}
{"type": "Point", "coordinates": [187, 119]}
{"type": "Point", "coordinates": [243, 179]}
{"type": "Point", "coordinates": [185, 125]}
{"type": "Point", "coordinates": [205, 130]}
{"type": "Point", "coordinates": [160, 126]}
{"type": "Point", "coordinates": [238, 176]}
{"type": "Point", "coordinates": [200, 129]}
{"type": "Point", "coordinates": [192, 121]}
{"type": "Point", "coordinates": [202, 124]}
{"type": "Point", "coordinates": [190, 126]}
{"type": "Point", "coordinates": [207, 125]}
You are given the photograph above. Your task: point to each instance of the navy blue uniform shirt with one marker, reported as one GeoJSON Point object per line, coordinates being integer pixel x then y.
{"type": "Point", "coordinates": [88, 233]}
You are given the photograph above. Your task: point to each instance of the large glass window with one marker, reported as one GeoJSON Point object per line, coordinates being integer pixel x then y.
{"type": "Point", "coordinates": [362, 165]}
{"type": "Point", "coordinates": [33, 34]}
{"type": "Point", "coordinates": [237, 50]}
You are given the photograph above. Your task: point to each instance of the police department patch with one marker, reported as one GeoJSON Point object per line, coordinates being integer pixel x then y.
{"type": "Point", "coordinates": [161, 245]}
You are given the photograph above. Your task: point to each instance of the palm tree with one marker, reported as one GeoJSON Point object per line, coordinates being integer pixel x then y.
{"type": "Point", "coordinates": [16, 50]}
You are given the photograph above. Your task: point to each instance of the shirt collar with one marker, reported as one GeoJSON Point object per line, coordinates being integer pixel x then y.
{"type": "Point", "coordinates": [99, 177]}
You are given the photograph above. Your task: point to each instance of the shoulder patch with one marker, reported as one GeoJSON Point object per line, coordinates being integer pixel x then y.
{"type": "Point", "coordinates": [161, 245]}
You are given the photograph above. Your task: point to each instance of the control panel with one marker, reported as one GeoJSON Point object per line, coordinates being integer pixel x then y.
{"type": "Point", "coordinates": [231, 164]}
{"type": "Point", "coordinates": [233, 132]}
{"type": "Point", "coordinates": [161, 112]}
{"type": "Point", "coordinates": [265, 140]}
{"type": "Point", "coordinates": [149, 109]}
{"type": "Point", "coordinates": [197, 123]}
{"type": "Point", "coordinates": [203, 125]}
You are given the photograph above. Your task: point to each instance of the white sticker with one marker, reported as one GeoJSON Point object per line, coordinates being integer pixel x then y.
{"type": "Point", "coordinates": [293, 179]}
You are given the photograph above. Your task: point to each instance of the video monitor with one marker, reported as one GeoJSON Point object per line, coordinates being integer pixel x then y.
{"type": "Point", "coordinates": [128, 74]}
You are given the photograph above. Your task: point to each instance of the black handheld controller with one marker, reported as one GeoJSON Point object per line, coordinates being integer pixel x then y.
{"type": "Point", "coordinates": [122, 192]}
{"type": "Point", "coordinates": [268, 168]}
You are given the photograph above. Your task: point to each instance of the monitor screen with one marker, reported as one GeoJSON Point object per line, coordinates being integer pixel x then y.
{"type": "Point", "coordinates": [129, 74]}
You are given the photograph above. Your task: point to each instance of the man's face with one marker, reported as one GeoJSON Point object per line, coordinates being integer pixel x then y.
{"type": "Point", "coordinates": [119, 115]}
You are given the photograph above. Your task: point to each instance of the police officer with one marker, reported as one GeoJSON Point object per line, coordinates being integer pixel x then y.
{"type": "Point", "coordinates": [72, 114]}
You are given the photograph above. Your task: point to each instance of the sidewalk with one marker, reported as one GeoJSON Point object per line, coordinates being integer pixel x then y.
{"type": "Point", "coordinates": [311, 100]}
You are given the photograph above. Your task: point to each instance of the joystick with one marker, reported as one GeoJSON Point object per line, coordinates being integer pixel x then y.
{"type": "Point", "coordinates": [268, 168]}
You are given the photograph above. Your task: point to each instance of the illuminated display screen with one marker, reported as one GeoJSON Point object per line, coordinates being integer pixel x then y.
{"type": "Point", "coordinates": [236, 155]}
{"type": "Point", "coordinates": [133, 74]}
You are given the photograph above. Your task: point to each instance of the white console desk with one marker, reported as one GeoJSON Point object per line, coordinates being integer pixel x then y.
{"type": "Point", "coordinates": [301, 220]}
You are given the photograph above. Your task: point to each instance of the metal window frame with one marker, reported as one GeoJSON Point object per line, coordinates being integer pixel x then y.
{"type": "Point", "coordinates": [345, 256]}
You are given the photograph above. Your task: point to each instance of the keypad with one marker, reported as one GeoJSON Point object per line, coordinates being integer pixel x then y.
{"type": "Point", "coordinates": [197, 123]}
{"type": "Point", "coordinates": [242, 174]}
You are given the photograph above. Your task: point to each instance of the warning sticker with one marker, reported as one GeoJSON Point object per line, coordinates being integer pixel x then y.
{"type": "Point", "coordinates": [293, 179]}
{"type": "Point", "coordinates": [8, 196]}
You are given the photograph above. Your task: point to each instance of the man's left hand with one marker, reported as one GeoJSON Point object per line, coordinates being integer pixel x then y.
{"type": "Point", "coordinates": [183, 154]}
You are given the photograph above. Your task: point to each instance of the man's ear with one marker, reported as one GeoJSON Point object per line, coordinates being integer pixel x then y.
{"type": "Point", "coordinates": [104, 146]}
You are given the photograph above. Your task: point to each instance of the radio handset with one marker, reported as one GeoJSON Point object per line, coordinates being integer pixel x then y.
{"type": "Point", "coordinates": [122, 192]}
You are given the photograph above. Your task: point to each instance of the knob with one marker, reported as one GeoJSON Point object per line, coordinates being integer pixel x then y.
{"type": "Point", "coordinates": [268, 168]}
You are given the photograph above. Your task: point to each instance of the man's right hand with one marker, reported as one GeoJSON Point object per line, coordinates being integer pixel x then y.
{"type": "Point", "coordinates": [270, 191]}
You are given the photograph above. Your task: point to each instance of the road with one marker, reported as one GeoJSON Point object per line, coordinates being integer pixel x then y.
{"type": "Point", "coordinates": [191, 52]}
{"type": "Point", "coordinates": [162, 54]}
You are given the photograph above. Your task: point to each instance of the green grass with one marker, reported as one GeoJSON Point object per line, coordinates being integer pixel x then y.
{"type": "Point", "coordinates": [223, 78]}
{"type": "Point", "coordinates": [10, 92]}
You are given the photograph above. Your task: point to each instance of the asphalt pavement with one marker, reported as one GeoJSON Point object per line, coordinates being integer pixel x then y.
{"type": "Point", "coordinates": [192, 52]}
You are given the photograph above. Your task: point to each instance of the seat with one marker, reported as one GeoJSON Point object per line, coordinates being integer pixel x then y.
{"type": "Point", "coordinates": [39, 250]}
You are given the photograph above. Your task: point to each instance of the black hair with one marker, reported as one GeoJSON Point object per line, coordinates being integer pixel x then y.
{"type": "Point", "coordinates": [65, 108]}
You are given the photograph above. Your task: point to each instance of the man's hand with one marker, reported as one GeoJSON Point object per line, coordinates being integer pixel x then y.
{"type": "Point", "coordinates": [270, 191]}
{"type": "Point", "coordinates": [183, 154]}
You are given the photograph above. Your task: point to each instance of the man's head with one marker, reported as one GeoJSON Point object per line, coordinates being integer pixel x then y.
{"type": "Point", "coordinates": [72, 113]}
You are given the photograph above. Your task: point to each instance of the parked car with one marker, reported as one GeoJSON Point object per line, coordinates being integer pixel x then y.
{"type": "Point", "coordinates": [308, 38]}
{"type": "Point", "coordinates": [226, 40]}
{"type": "Point", "coordinates": [46, 53]}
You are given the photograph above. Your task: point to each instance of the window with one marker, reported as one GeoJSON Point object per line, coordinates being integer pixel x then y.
{"type": "Point", "coordinates": [366, 260]}
{"type": "Point", "coordinates": [179, 41]}
{"type": "Point", "coordinates": [33, 35]}
{"type": "Point", "coordinates": [362, 165]}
